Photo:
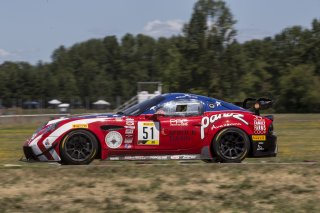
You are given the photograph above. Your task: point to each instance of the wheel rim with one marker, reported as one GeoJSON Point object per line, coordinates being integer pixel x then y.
{"type": "Point", "coordinates": [232, 145]}
{"type": "Point", "coordinates": [79, 147]}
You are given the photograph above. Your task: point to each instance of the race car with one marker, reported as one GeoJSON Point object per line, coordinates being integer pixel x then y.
{"type": "Point", "coordinates": [174, 126]}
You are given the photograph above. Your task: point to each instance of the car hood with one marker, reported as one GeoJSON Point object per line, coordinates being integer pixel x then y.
{"type": "Point", "coordinates": [81, 117]}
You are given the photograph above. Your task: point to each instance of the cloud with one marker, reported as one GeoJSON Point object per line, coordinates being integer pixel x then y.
{"type": "Point", "coordinates": [4, 53]}
{"type": "Point", "coordinates": [159, 28]}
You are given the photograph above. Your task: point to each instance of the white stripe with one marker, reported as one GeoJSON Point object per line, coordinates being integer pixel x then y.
{"type": "Point", "coordinates": [62, 129]}
{"type": "Point", "coordinates": [37, 151]}
{"type": "Point", "coordinates": [55, 155]}
{"type": "Point", "coordinates": [35, 141]}
{"type": "Point", "coordinates": [56, 120]}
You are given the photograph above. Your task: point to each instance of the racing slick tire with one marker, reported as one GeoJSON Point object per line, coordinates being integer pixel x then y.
{"type": "Point", "coordinates": [78, 147]}
{"type": "Point", "coordinates": [231, 145]}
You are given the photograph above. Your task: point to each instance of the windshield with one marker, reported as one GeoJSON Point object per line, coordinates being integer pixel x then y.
{"type": "Point", "coordinates": [141, 107]}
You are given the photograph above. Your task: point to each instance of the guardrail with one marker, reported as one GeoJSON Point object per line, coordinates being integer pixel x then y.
{"type": "Point", "coordinates": [28, 119]}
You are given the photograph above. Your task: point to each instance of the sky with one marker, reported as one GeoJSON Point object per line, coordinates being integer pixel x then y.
{"type": "Point", "coordinates": [31, 30]}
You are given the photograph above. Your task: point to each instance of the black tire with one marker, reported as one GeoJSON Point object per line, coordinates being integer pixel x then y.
{"type": "Point", "coordinates": [231, 145]}
{"type": "Point", "coordinates": [78, 147]}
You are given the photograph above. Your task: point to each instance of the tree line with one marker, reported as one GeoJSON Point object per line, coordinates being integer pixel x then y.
{"type": "Point", "coordinates": [204, 59]}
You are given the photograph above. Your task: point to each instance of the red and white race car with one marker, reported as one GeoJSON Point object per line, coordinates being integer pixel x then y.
{"type": "Point", "coordinates": [173, 126]}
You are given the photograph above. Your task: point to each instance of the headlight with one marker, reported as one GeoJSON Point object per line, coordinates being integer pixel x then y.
{"type": "Point", "coordinates": [50, 128]}
{"type": "Point", "coordinates": [45, 129]}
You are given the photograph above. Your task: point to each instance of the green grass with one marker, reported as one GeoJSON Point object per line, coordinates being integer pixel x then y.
{"type": "Point", "coordinates": [298, 137]}
{"type": "Point", "coordinates": [11, 140]}
{"type": "Point", "coordinates": [168, 186]}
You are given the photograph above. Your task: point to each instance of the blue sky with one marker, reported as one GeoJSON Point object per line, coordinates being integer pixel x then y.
{"type": "Point", "coordinates": [31, 30]}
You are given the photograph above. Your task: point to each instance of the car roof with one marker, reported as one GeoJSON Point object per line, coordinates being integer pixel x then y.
{"type": "Point", "coordinates": [211, 104]}
{"type": "Point", "coordinates": [173, 96]}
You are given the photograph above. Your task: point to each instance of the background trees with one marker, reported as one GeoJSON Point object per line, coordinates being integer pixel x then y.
{"type": "Point", "coordinates": [206, 59]}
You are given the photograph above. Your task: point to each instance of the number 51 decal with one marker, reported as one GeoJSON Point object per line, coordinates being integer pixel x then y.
{"type": "Point", "coordinates": [148, 133]}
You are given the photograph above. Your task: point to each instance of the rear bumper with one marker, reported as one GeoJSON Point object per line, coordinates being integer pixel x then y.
{"type": "Point", "coordinates": [266, 148]}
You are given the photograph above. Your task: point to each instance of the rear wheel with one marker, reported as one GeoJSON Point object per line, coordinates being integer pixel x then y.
{"type": "Point", "coordinates": [78, 147]}
{"type": "Point", "coordinates": [231, 145]}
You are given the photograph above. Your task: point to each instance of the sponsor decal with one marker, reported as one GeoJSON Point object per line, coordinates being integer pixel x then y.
{"type": "Point", "coordinates": [118, 119]}
{"type": "Point", "coordinates": [128, 146]}
{"type": "Point", "coordinates": [189, 157]}
{"type": "Point", "coordinates": [129, 131]}
{"type": "Point", "coordinates": [148, 142]}
{"type": "Point", "coordinates": [135, 158]}
{"type": "Point", "coordinates": [129, 122]}
{"type": "Point", "coordinates": [181, 135]}
{"type": "Point", "coordinates": [163, 131]}
{"type": "Point", "coordinates": [147, 123]}
{"type": "Point", "coordinates": [225, 125]}
{"type": "Point", "coordinates": [162, 157]}
{"type": "Point", "coordinates": [178, 122]}
{"type": "Point", "coordinates": [148, 133]}
{"type": "Point", "coordinates": [113, 139]}
{"type": "Point", "coordinates": [258, 137]}
{"type": "Point", "coordinates": [218, 103]}
{"type": "Point", "coordinates": [80, 126]}
{"type": "Point", "coordinates": [114, 158]}
{"type": "Point", "coordinates": [156, 157]}
{"type": "Point", "coordinates": [259, 125]}
{"type": "Point", "coordinates": [206, 121]}
{"type": "Point", "coordinates": [159, 157]}
{"type": "Point", "coordinates": [175, 157]}
{"type": "Point", "coordinates": [47, 143]}
{"type": "Point", "coordinates": [211, 106]}
{"type": "Point", "coordinates": [128, 139]}
{"type": "Point", "coordinates": [153, 108]}
{"type": "Point", "coordinates": [260, 148]}
{"type": "Point", "coordinates": [130, 127]}
{"type": "Point", "coordinates": [186, 96]}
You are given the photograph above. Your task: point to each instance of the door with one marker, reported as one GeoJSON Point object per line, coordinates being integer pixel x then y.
{"type": "Point", "coordinates": [176, 127]}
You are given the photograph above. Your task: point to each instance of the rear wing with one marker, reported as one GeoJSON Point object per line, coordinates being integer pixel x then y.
{"type": "Point", "coordinates": [255, 104]}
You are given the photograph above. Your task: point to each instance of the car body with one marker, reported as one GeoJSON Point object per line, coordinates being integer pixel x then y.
{"type": "Point", "coordinates": [175, 126]}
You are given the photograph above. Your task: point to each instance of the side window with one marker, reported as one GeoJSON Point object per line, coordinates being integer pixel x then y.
{"type": "Point", "coordinates": [181, 108]}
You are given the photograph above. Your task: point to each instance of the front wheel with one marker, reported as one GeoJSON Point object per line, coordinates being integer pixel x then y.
{"type": "Point", "coordinates": [78, 147]}
{"type": "Point", "coordinates": [231, 145]}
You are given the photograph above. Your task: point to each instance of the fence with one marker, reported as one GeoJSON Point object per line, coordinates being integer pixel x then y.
{"type": "Point", "coordinates": [16, 106]}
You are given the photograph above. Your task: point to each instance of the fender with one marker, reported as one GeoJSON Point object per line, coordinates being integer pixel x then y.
{"type": "Point", "coordinates": [212, 123]}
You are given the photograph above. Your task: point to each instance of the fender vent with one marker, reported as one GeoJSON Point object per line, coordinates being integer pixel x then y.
{"type": "Point", "coordinates": [111, 127]}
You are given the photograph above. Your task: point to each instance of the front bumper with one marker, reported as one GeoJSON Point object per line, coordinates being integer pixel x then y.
{"type": "Point", "coordinates": [33, 153]}
{"type": "Point", "coordinates": [29, 154]}
{"type": "Point", "coordinates": [267, 148]}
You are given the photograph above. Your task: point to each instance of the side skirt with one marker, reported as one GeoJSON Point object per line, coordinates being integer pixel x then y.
{"type": "Point", "coordinates": [155, 157]}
